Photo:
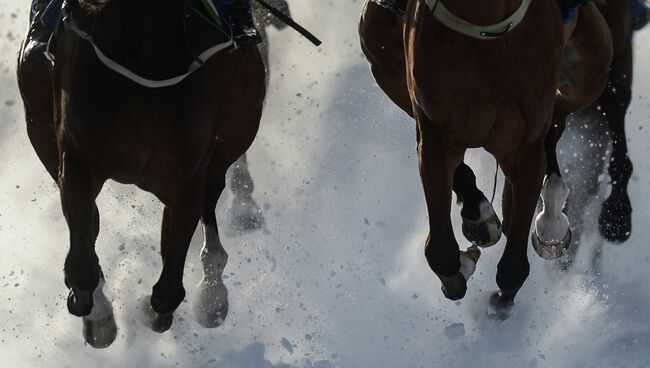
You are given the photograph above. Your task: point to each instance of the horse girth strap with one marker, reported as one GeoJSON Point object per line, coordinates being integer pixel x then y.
{"type": "Point", "coordinates": [460, 25]}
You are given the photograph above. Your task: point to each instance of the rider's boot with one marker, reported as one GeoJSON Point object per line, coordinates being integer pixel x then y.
{"type": "Point", "coordinates": [640, 14]}
{"type": "Point", "coordinates": [396, 6]}
{"type": "Point", "coordinates": [241, 20]}
{"type": "Point", "coordinates": [37, 35]}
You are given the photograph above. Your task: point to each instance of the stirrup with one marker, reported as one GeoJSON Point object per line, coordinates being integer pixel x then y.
{"type": "Point", "coordinates": [395, 6]}
{"type": "Point", "coordinates": [245, 36]}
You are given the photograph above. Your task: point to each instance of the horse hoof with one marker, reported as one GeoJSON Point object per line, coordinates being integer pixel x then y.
{"type": "Point", "coordinates": [80, 302]}
{"type": "Point", "coordinates": [453, 287]}
{"type": "Point", "coordinates": [246, 216]}
{"type": "Point", "coordinates": [158, 322]}
{"type": "Point", "coordinates": [500, 307]}
{"type": "Point", "coordinates": [162, 322]}
{"type": "Point", "coordinates": [212, 319]}
{"type": "Point", "coordinates": [487, 230]}
{"type": "Point", "coordinates": [212, 307]}
{"type": "Point", "coordinates": [550, 250]}
{"type": "Point", "coordinates": [615, 221]}
{"type": "Point", "coordinates": [100, 333]}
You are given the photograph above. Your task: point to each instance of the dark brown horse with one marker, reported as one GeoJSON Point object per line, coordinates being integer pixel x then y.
{"type": "Point", "coordinates": [491, 89]}
{"type": "Point", "coordinates": [611, 107]}
{"type": "Point", "coordinates": [88, 124]}
{"type": "Point", "coordinates": [615, 220]}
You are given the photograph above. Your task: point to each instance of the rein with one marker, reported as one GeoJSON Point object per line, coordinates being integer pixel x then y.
{"type": "Point", "coordinates": [70, 25]}
{"type": "Point", "coordinates": [489, 32]}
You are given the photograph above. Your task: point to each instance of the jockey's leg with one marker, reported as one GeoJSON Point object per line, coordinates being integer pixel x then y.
{"type": "Point", "coordinates": [240, 15]}
{"type": "Point", "coordinates": [396, 6]}
{"type": "Point", "coordinates": [640, 14]}
{"type": "Point", "coordinates": [38, 33]}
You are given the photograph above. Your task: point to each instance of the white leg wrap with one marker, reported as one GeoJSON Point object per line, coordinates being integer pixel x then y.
{"type": "Point", "coordinates": [212, 306]}
{"type": "Point", "coordinates": [551, 225]}
{"type": "Point", "coordinates": [102, 307]}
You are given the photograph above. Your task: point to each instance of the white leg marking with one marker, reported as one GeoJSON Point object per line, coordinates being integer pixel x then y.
{"type": "Point", "coordinates": [491, 220]}
{"type": "Point", "coordinates": [102, 308]}
{"type": "Point", "coordinates": [468, 261]}
{"type": "Point", "coordinates": [99, 328]}
{"type": "Point", "coordinates": [213, 294]}
{"type": "Point", "coordinates": [551, 225]}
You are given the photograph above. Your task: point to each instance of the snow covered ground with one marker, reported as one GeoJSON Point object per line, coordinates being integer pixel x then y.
{"type": "Point", "coordinates": [338, 277]}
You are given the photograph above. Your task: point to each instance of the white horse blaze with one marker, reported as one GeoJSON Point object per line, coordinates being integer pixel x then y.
{"type": "Point", "coordinates": [551, 225]}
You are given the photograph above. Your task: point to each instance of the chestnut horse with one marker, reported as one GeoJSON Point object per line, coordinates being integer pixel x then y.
{"type": "Point", "coordinates": [494, 87]}
{"type": "Point", "coordinates": [88, 124]}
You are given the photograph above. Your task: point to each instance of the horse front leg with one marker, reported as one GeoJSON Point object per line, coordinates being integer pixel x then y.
{"type": "Point", "coordinates": [524, 171]}
{"type": "Point", "coordinates": [438, 162]}
{"type": "Point", "coordinates": [212, 306]}
{"type": "Point", "coordinates": [180, 217]}
{"type": "Point", "coordinates": [83, 275]}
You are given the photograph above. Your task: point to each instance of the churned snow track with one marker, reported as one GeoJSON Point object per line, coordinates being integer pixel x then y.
{"type": "Point", "coordinates": [338, 277]}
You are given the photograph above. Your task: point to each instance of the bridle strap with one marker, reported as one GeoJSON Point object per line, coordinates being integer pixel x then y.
{"type": "Point", "coordinates": [460, 25]}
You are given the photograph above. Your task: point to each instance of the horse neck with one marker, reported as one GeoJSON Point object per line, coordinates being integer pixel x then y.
{"type": "Point", "coordinates": [484, 12]}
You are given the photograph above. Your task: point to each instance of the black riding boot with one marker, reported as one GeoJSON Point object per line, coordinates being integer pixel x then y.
{"type": "Point", "coordinates": [241, 20]}
{"type": "Point", "coordinates": [396, 6]}
{"type": "Point", "coordinates": [38, 34]}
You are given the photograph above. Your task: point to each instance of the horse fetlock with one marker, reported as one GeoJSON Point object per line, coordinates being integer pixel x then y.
{"type": "Point", "coordinates": [214, 260]}
{"type": "Point", "coordinates": [453, 287]}
{"type": "Point", "coordinates": [81, 272]}
{"type": "Point", "coordinates": [486, 230]}
{"type": "Point", "coordinates": [166, 299]}
{"type": "Point", "coordinates": [551, 235]}
{"type": "Point", "coordinates": [157, 321]}
{"type": "Point", "coordinates": [554, 192]}
{"type": "Point", "coordinates": [511, 274]}
{"type": "Point", "coordinates": [620, 170]}
{"type": "Point", "coordinates": [246, 214]}
{"type": "Point", "coordinates": [80, 302]}
{"type": "Point", "coordinates": [615, 220]}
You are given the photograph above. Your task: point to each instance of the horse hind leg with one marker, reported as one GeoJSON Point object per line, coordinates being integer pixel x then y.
{"type": "Point", "coordinates": [615, 221]}
{"type": "Point", "coordinates": [246, 215]}
{"type": "Point", "coordinates": [82, 271]}
{"type": "Point", "coordinates": [180, 218]}
{"type": "Point", "coordinates": [212, 306]}
{"type": "Point", "coordinates": [551, 235]}
{"type": "Point", "coordinates": [481, 225]}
